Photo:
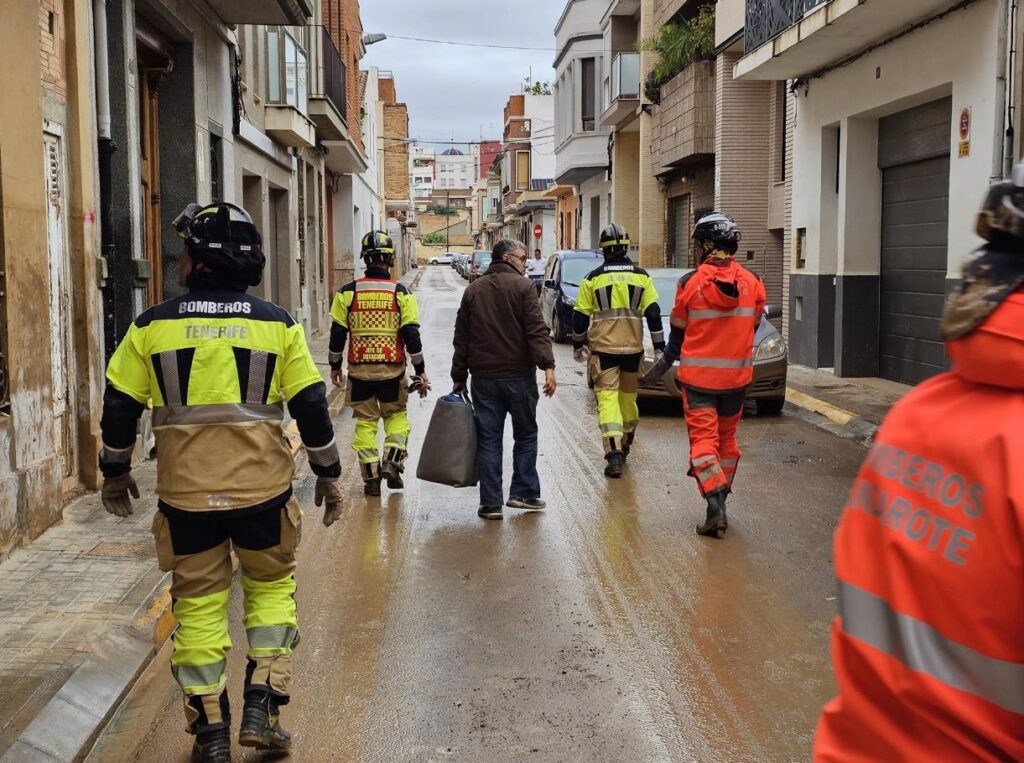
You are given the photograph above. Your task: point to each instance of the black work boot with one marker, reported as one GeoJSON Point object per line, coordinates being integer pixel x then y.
{"type": "Point", "coordinates": [392, 472]}
{"type": "Point", "coordinates": [371, 487]}
{"type": "Point", "coordinates": [261, 727]}
{"type": "Point", "coordinates": [627, 445]}
{"type": "Point", "coordinates": [213, 743]}
{"type": "Point", "coordinates": [616, 460]}
{"type": "Point", "coordinates": [716, 523]}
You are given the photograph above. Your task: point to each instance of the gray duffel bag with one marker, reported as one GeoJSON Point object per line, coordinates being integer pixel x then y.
{"type": "Point", "coordinates": [448, 454]}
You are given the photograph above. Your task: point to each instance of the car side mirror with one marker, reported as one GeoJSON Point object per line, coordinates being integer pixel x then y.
{"type": "Point", "coordinates": [772, 311]}
{"type": "Point", "coordinates": [549, 284]}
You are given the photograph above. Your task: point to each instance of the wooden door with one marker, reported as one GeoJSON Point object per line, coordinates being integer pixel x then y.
{"type": "Point", "coordinates": [62, 346]}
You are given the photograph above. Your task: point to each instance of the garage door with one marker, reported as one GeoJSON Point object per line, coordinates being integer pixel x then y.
{"type": "Point", "coordinates": [679, 229]}
{"type": "Point", "coordinates": [914, 158]}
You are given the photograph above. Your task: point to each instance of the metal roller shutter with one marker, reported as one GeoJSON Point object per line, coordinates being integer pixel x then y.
{"type": "Point", "coordinates": [914, 157]}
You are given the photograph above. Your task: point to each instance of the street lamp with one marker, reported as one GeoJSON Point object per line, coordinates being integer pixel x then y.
{"type": "Point", "coordinates": [370, 39]}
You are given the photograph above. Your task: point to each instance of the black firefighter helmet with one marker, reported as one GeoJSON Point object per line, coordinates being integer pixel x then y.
{"type": "Point", "coordinates": [719, 229]}
{"type": "Point", "coordinates": [614, 240]}
{"type": "Point", "coordinates": [378, 246]}
{"type": "Point", "coordinates": [223, 237]}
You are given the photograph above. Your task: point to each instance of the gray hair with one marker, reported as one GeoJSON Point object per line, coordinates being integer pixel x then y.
{"type": "Point", "coordinates": [506, 247]}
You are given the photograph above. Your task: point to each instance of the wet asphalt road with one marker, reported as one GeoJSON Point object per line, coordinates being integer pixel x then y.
{"type": "Point", "coordinates": [601, 630]}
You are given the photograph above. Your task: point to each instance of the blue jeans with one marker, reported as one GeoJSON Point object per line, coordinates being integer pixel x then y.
{"type": "Point", "coordinates": [493, 400]}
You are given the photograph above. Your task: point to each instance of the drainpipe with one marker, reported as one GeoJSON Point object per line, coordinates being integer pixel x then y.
{"type": "Point", "coordinates": [1011, 112]}
{"type": "Point", "coordinates": [1000, 137]}
{"type": "Point", "coordinates": [106, 147]}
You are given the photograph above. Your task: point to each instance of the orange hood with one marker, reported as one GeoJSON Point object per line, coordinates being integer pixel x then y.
{"type": "Point", "coordinates": [993, 353]}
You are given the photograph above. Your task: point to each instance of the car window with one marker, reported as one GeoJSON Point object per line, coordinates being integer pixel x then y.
{"type": "Point", "coordinates": [576, 269]}
{"type": "Point", "coordinates": [549, 271]}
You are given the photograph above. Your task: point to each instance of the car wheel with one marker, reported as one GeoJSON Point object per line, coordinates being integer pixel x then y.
{"type": "Point", "coordinates": [771, 407]}
{"type": "Point", "coordinates": [558, 332]}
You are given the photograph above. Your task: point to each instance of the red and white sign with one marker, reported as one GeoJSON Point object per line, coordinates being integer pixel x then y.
{"type": "Point", "coordinates": [965, 123]}
{"type": "Point", "coordinates": [538, 231]}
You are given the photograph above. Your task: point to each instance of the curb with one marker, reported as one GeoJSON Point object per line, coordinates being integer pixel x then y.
{"type": "Point", "coordinates": [830, 418]}
{"type": "Point", "coordinates": [67, 726]}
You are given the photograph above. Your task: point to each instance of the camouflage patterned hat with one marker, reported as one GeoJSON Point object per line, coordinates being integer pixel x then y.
{"type": "Point", "coordinates": [988, 280]}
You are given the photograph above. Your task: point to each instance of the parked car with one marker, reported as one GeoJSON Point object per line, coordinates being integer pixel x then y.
{"type": "Point", "coordinates": [456, 259]}
{"type": "Point", "coordinates": [442, 259]}
{"type": "Point", "coordinates": [562, 278]}
{"type": "Point", "coordinates": [478, 264]}
{"type": "Point", "coordinates": [462, 265]}
{"type": "Point", "coordinates": [771, 356]}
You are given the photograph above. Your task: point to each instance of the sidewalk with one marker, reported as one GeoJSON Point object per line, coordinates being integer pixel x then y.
{"type": "Point", "coordinates": [851, 408]}
{"type": "Point", "coordinates": [83, 609]}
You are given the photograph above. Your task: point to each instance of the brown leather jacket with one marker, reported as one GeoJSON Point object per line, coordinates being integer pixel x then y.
{"type": "Point", "coordinates": [499, 331]}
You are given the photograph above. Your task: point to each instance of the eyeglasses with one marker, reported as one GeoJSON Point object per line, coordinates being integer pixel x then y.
{"type": "Point", "coordinates": [521, 258]}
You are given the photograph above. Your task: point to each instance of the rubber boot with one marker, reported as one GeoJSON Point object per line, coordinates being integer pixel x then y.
{"type": "Point", "coordinates": [213, 744]}
{"type": "Point", "coordinates": [392, 472]}
{"type": "Point", "coordinates": [627, 445]}
{"type": "Point", "coordinates": [616, 460]}
{"type": "Point", "coordinates": [261, 727]}
{"type": "Point", "coordinates": [716, 523]}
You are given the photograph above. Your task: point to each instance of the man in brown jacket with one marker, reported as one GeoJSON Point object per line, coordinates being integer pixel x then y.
{"type": "Point", "coordinates": [501, 339]}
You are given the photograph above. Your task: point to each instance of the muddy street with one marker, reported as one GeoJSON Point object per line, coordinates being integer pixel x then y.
{"type": "Point", "coordinates": [602, 629]}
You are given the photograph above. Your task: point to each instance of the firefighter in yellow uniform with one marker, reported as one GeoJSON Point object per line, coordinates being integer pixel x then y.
{"type": "Point", "coordinates": [612, 304]}
{"type": "Point", "coordinates": [218, 367]}
{"type": "Point", "coordinates": [379, 320]}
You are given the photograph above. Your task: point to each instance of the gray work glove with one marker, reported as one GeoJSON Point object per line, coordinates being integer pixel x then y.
{"type": "Point", "coordinates": [114, 494]}
{"type": "Point", "coordinates": [581, 354]}
{"type": "Point", "coordinates": [328, 490]}
{"type": "Point", "coordinates": [659, 369]}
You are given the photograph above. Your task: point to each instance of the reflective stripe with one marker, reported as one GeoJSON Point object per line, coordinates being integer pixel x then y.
{"type": "Point", "coordinates": [603, 297]}
{"type": "Point", "coordinates": [255, 394]}
{"type": "Point", "coordinates": [324, 456]}
{"type": "Point", "coordinates": [657, 336]}
{"type": "Point", "coordinates": [729, 462]}
{"type": "Point", "coordinates": [579, 337]}
{"type": "Point", "coordinates": [709, 472]}
{"type": "Point", "coordinates": [611, 428]}
{"type": "Point", "coordinates": [417, 358]}
{"type": "Point", "coordinates": [396, 440]}
{"type": "Point", "coordinates": [117, 455]}
{"type": "Point", "coordinates": [739, 312]}
{"type": "Point", "coordinates": [703, 460]}
{"type": "Point", "coordinates": [923, 649]}
{"type": "Point", "coordinates": [199, 677]}
{"type": "Point", "coordinates": [716, 362]}
{"type": "Point", "coordinates": [274, 637]}
{"type": "Point", "coordinates": [169, 369]}
{"type": "Point", "coordinates": [220, 413]}
{"type": "Point", "coordinates": [616, 314]}
{"type": "Point", "coordinates": [335, 357]}
{"type": "Point", "coordinates": [636, 296]}
{"type": "Point", "coordinates": [677, 323]}
{"type": "Point", "coordinates": [630, 426]}
{"type": "Point", "coordinates": [376, 286]}
{"type": "Point", "coordinates": [367, 456]}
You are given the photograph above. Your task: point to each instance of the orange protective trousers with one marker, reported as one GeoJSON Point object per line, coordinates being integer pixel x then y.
{"type": "Point", "coordinates": [712, 420]}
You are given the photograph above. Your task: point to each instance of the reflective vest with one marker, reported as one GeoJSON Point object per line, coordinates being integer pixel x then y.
{"type": "Point", "coordinates": [928, 646]}
{"type": "Point", "coordinates": [374, 318]}
{"type": "Point", "coordinates": [218, 368]}
{"type": "Point", "coordinates": [615, 297]}
{"type": "Point", "coordinates": [719, 306]}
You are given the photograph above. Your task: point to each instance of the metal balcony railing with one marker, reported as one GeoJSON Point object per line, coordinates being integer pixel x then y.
{"type": "Point", "coordinates": [334, 75]}
{"type": "Point", "coordinates": [767, 19]}
{"type": "Point", "coordinates": [626, 76]}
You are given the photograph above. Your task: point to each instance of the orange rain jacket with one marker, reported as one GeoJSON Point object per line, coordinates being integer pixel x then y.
{"type": "Point", "coordinates": [929, 643]}
{"type": "Point", "coordinates": [718, 348]}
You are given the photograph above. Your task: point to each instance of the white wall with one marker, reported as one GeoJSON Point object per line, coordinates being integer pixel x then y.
{"type": "Point", "coordinates": [955, 57]}
{"type": "Point", "coordinates": [597, 186]}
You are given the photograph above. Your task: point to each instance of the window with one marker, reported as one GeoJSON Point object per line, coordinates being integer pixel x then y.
{"type": "Point", "coordinates": [216, 172]}
{"type": "Point", "coordinates": [588, 94]}
{"type": "Point", "coordinates": [522, 170]}
{"type": "Point", "coordinates": [801, 248]}
{"type": "Point", "coordinates": [288, 71]}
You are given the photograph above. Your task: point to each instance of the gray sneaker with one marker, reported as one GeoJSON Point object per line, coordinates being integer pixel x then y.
{"type": "Point", "coordinates": [489, 512]}
{"type": "Point", "coordinates": [527, 504]}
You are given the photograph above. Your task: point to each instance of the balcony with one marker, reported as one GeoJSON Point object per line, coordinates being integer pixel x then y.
{"type": "Point", "coordinates": [623, 90]}
{"type": "Point", "coordinates": [665, 10]}
{"type": "Point", "coordinates": [684, 123]}
{"type": "Point", "coordinates": [328, 106]}
{"type": "Point", "coordinates": [270, 12]}
{"type": "Point", "coordinates": [787, 39]}
{"type": "Point", "coordinates": [288, 126]}
{"type": "Point", "coordinates": [287, 91]}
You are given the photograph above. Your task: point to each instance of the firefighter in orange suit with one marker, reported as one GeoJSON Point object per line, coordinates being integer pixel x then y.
{"type": "Point", "coordinates": [928, 646]}
{"type": "Point", "coordinates": [717, 310]}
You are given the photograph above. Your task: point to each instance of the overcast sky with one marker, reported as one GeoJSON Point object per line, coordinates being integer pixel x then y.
{"type": "Point", "coordinates": [453, 89]}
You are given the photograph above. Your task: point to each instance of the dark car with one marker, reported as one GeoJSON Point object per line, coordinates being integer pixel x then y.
{"type": "Point", "coordinates": [478, 264]}
{"type": "Point", "coordinates": [562, 278]}
{"type": "Point", "coordinates": [771, 356]}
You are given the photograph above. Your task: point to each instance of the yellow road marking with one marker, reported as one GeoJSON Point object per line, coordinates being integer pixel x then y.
{"type": "Point", "coordinates": [830, 412]}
